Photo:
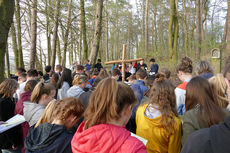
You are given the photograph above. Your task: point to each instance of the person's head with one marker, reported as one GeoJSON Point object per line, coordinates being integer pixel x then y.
{"type": "Point", "coordinates": [184, 68]}
{"type": "Point", "coordinates": [40, 74]}
{"type": "Point", "coordinates": [66, 76]}
{"type": "Point", "coordinates": [48, 69]}
{"type": "Point", "coordinates": [142, 62]}
{"type": "Point", "coordinates": [141, 74]}
{"type": "Point", "coordinates": [98, 60]}
{"type": "Point", "coordinates": [111, 102]}
{"type": "Point", "coordinates": [47, 115]}
{"type": "Point", "coordinates": [30, 85]}
{"type": "Point", "coordinates": [203, 67]}
{"type": "Point", "coordinates": [152, 61]}
{"type": "Point", "coordinates": [68, 111]}
{"type": "Point", "coordinates": [32, 74]}
{"type": "Point", "coordinates": [200, 93]}
{"type": "Point", "coordinates": [103, 73]}
{"type": "Point", "coordinates": [80, 80]}
{"type": "Point", "coordinates": [149, 81]}
{"type": "Point", "coordinates": [19, 71]}
{"type": "Point", "coordinates": [87, 61]}
{"type": "Point", "coordinates": [79, 69]}
{"type": "Point", "coordinates": [219, 86]}
{"type": "Point", "coordinates": [8, 88]}
{"type": "Point", "coordinates": [58, 68]}
{"type": "Point", "coordinates": [22, 78]}
{"type": "Point", "coordinates": [54, 79]}
{"type": "Point", "coordinates": [132, 78]}
{"type": "Point", "coordinates": [43, 93]}
{"type": "Point", "coordinates": [116, 74]}
{"type": "Point", "coordinates": [163, 98]}
{"type": "Point", "coordinates": [166, 72]}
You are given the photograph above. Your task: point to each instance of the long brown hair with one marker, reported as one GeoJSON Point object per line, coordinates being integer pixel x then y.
{"type": "Point", "coordinates": [39, 90]}
{"type": "Point", "coordinates": [107, 102]}
{"type": "Point", "coordinates": [162, 94]}
{"type": "Point", "coordinates": [199, 92]}
{"type": "Point", "coordinates": [8, 88]}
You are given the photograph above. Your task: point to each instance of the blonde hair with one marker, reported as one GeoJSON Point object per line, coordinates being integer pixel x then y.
{"type": "Point", "coordinates": [66, 107]}
{"type": "Point", "coordinates": [219, 86]}
{"type": "Point", "coordinates": [39, 90]}
{"type": "Point", "coordinates": [107, 102]}
{"type": "Point", "coordinates": [8, 88]}
{"type": "Point", "coordinates": [79, 79]}
{"type": "Point", "coordinates": [203, 67]}
{"type": "Point", "coordinates": [47, 115]}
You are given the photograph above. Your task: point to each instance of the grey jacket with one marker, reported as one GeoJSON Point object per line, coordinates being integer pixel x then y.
{"type": "Point", "coordinates": [75, 91]}
{"type": "Point", "coordinates": [32, 112]}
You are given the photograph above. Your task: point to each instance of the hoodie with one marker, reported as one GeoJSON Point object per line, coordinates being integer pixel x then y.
{"type": "Point", "coordinates": [105, 138]}
{"type": "Point", "coordinates": [48, 138]}
{"type": "Point", "coordinates": [75, 91]}
{"type": "Point", "coordinates": [32, 112]}
{"type": "Point", "coordinates": [210, 140]}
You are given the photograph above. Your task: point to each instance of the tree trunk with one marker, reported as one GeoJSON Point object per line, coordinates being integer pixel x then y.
{"type": "Point", "coordinates": [83, 29]}
{"type": "Point", "coordinates": [143, 19]}
{"type": "Point", "coordinates": [63, 62]}
{"type": "Point", "coordinates": [15, 46]}
{"type": "Point", "coordinates": [48, 32]}
{"type": "Point", "coordinates": [198, 30]}
{"type": "Point", "coordinates": [71, 48]}
{"type": "Point", "coordinates": [19, 35]}
{"type": "Point", "coordinates": [146, 27]}
{"type": "Point", "coordinates": [54, 41]}
{"type": "Point", "coordinates": [33, 34]}
{"type": "Point", "coordinates": [7, 62]}
{"type": "Point", "coordinates": [228, 30]}
{"type": "Point", "coordinates": [6, 17]}
{"type": "Point", "coordinates": [59, 50]}
{"type": "Point", "coordinates": [107, 33]}
{"type": "Point", "coordinates": [97, 34]}
{"type": "Point", "coordinates": [173, 32]}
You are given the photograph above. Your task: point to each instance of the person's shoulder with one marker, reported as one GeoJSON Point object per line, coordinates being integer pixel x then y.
{"type": "Point", "coordinates": [132, 144]}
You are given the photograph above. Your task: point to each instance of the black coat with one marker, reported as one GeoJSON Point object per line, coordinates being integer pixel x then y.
{"type": "Point", "coordinates": [12, 136]}
{"type": "Point", "coordinates": [48, 138]}
{"type": "Point", "coordinates": [215, 139]}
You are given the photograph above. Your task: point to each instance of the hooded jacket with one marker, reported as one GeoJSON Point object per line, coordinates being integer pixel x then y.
{"type": "Point", "coordinates": [48, 138]}
{"type": "Point", "coordinates": [75, 91]}
{"type": "Point", "coordinates": [210, 140]}
{"type": "Point", "coordinates": [32, 112]}
{"type": "Point", "coordinates": [105, 138]}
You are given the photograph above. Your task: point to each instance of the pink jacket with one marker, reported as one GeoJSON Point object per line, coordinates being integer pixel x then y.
{"type": "Point", "coordinates": [105, 138]}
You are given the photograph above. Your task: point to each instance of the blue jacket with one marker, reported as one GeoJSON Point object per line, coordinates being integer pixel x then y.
{"type": "Point", "coordinates": [141, 83]}
{"type": "Point", "coordinates": [48, 138]}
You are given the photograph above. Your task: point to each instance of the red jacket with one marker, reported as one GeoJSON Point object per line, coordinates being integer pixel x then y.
{"type": "Point", "coordinates": [105, 138]}
{"type": "Point", "coordinates": [19, 110]}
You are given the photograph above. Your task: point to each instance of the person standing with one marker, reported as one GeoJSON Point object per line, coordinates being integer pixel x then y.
{"type": "Point", "coordinates": [98, 65]}
{"type": "Point", "coordinates": [142, 65]}
{"type": "Point", "coordinates": [154, 67]}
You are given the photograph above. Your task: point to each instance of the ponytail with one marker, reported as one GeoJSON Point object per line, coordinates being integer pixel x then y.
{"type": "Point", "coordinates": [39, 90]}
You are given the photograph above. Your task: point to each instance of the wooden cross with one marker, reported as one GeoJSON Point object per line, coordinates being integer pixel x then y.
{"type": "Point", "coordinates": [124, 61]}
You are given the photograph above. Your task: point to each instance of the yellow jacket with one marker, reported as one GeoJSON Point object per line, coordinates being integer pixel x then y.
{"type": "Point", "coordinates": [158, 141]}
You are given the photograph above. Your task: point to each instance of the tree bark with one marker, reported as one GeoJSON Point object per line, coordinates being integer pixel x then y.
{"type": "Point", "coordinates": [7, 62]}
{"type": "Point", "coordinates": [54, 41]}
{"type": "Point", "coordinates": [97, 34]}
{"type": "Point", "coordinates": [63, 62]}
{"type": "Point", "coordinates": [6, 18]}
{"type": "Point", "coordinates": [15, 46]}
{"type": "Point", "coordinates": [228, 30]}
{"type": "Point", "coordinates": [19, 35]}
{"type": "Point", "coordinates": [198, 30]}
{"type": "Point", "coordinates": [107, 33]}
{"type": "Point", "coordinates": [146, 26]}
{"type": "Point", "coordinates": [83, 29]}
{"type": "Point", "coordinates": [33, 34]}
{"type": "Point", "coordinates": [48, 32]}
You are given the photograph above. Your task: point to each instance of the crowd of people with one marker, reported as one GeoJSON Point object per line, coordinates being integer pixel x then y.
{"type": "Point", "coordinates": [88, 109]}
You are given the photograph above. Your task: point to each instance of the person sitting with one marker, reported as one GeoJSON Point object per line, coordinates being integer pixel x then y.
{"type": "Point", "coordinates": [98, 65]}
{"type": "Point", "coordinates": [142, 65]}
{"type": "Point", "coordinates": [46, 77]}
{"type": "Point", "coordinates": [79, 69]}
{"type": "Point", "coordinates": [10, 140]}
{"type": "Point", "coordinates": [154, 67]}
{"type": "Point", "coordinates": [64, 83]}
{"type": "Point", "coordinates": [53, 136]}
{"type": "Point", "coordinates": [59, 69]}
{"type": "Point", "coordinates": [204, 69]}
{"type": "Point", "coordinates": [157, 119]}
{"type": "Point", "coordinates": [40, 97]}
{"type": "Point", "coordinates": [87, 66]}
{"type": "Point", "coordinates": [22, 78]}
{"type": "Point", "coordinates": [109, 110]}
{"type": "Point", "coordinates": [184, 73]}
{"type": "Point", "coordinates": [141, 76]}
{"type": "Point", "coordinates": [79, 83]}
{"type": "Point", "coordinates": [116, 74]}
{"type": "Point", "coordinates": [202, 110]}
